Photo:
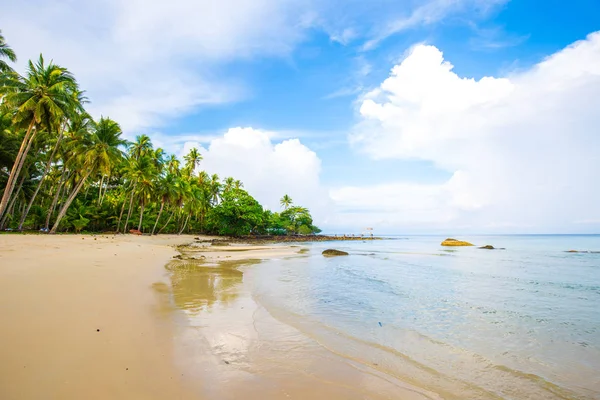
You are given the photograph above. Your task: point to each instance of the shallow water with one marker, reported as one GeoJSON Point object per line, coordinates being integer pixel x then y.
{"type": "Point", "coordinates": [520, 323]}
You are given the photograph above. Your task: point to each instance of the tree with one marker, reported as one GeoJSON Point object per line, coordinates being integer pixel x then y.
{"type": "Point", "coordinates": [286, 201]}
{"type": "Point", "coordinates": [166, 193]}
{"type": "Point", "coordinates": [96, 152]}
{"type": "Point", "coordinates": [58, 165]}
{"type": "Point", "coordinates": [81, 119]}
{"type": "Point", "coordinates": [237, 214]}
{"type": "Point", "coordinates": [6, 52]}
{"type": "Point", "coordinates": [41, 99]}
{"type": "Point", "coordinates": [298, 220]}
{"type": "Point", "coordinates": [192, 160]}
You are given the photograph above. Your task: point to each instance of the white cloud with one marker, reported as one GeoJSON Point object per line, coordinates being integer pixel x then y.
{"type": "Point", "coordinates": [427, 13]}
{"type": "Point", "coordinates": [268, 170]}
{"type": "Point", "coordinates": [523, 150]}
{"type": "Point", "coordinates": [143, 62]}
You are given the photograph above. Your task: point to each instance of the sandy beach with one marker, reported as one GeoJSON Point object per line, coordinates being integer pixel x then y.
{"type": "Point", "coordinates": [100, 317]}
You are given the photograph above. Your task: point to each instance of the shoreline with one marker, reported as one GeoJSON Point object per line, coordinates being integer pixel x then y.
{"type": "Point", "coordinates": [234, 344]}
{"type": "Point", "coordinates": [97, 316]}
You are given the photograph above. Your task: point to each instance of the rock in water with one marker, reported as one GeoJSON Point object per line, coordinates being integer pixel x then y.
{"type": "Point", "coordinates": [487, 247]}
{"type": "Point", "coordinates": [454, 242]}
{"type": "Point", "coordinates": [332, 252]}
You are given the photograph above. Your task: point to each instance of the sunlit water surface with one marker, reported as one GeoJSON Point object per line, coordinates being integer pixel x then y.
{"type": "Point", "coordinates": [519, 323]}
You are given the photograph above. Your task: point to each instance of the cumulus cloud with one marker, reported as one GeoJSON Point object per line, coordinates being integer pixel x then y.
{"type": "Point", "coordinates": [523, 149]}
{"type": "Point", "coordinates": [268, 170]}
{"type": "Point", "coordinates": [144, 62]}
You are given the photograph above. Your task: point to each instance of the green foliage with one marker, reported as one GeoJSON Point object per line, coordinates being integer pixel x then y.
{"type": "Point", "coordinates": [80, 223]}
{"type": "Point", "coordinates": [237, 214]}
{"type": "Point", "coordinates": [60, 168]}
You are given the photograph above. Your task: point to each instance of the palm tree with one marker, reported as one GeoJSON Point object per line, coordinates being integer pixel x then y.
{"type": "Point", "coordinates": [41, 99]}
{"type": "Point", "coordinates": [82, 120]}
{"type": "Point", "coordinates": [6, 52]}
{"type": "Point", "coordinates": [138, 170]}
{"type": "Point", "coordinates": [173, 164]}
{"type": "Point", "coordinates": [166, 193]}
{"type": "Point", "coordinates": [192, 160]}
{"type": "Point", "coordinates": [97, 152]}
{"type": "Point", "coordinates": [144, 191]}
{"type": "Point", "coordinates": [141, 147]}
{"type": "Point", "coordinates": [215, 188]}
{"type": "Point", "coordinates": [286, 202]}
{"type": "Point", "coordinates": [228, 184]}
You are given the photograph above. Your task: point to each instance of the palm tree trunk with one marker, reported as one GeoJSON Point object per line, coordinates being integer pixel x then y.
{"type": "Point", "coordinates": [11, 207]}
{"type": "Point", "coordinates": [100, 189]}
{"type": "Point", "coordinates": [10, 184]}
{"type": "Point", "coordinates": [162, 205]}
{"type": "Point", "coordinates": [105, 189]}
{"type": "Point", "coordinates": [70, 199]}
{"type": "Point", "coordinates": [168, 220]}
{"type": "Point", "coordinates": [141, 217]}
{"type": "Point", "coordinates": [37, 189]}
{"type": "Point", "coordinates": [121, 216]}
{"type": "Point", "coordinates": [185, 224]}
{"type": "Point", "coordinates": [61, 183]}
{"type": "Point", "coordinates": [130, 207]}
{"type": "Point", "coordinates": [17, 166]}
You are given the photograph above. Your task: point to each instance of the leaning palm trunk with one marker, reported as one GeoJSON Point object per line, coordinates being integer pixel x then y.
{"type": "Point", "coordinates": [11, 206]}
{"type": "Point", "coordinates": [168, 220]}
{"type": "Point", "coordinates": [130, 207]}
{"type": "Point", "coordinates": [70, 199]}
{"type": "Point", "coordinates": [100, 190]}
{"type": "Point", "coordinates": [141, 218]}
{"type": "Point", "coordinates": [37, 189]}
{"type": "Point", "coordinates": [103, 194]}
{"type": "Point", "coordinates": [16, 169]}
{"type": "Point", "coordinates": [61, 183]}
{"type": "Point", "coordinates": [184, 224]}
{"type": "Point", "coordinates": [121, 216]}
{"type": "Point", "coordinates": [162, 205]}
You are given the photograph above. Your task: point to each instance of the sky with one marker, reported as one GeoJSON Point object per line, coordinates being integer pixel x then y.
{"type": "Point", "coordinates": [407, 116]}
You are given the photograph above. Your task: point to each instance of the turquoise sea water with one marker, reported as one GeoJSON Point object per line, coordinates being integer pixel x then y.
{"type": "Point", "coordinates": [519, 323]}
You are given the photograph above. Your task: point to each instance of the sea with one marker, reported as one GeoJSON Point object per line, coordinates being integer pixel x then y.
{"type": "Point", "coordinates": [518, 322]}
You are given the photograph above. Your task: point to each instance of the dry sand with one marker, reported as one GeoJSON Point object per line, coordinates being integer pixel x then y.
{"type": "Point", "coordinates": [56, 292]}
{"type": "Point", "coordinates": [100, 317]}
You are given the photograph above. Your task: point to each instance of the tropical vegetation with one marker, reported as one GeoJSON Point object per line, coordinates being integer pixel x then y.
{"type": "Point", "coordinates": [63, 171]}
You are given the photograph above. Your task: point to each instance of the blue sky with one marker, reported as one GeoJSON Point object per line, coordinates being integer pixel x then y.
{"type": "Point", "coordinates": [312, 75]}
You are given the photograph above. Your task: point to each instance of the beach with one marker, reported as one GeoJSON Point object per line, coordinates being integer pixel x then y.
{"type": "Point", "coordinates": [195, 317]}
{"type": "Point", "coordinates": [101, 317]}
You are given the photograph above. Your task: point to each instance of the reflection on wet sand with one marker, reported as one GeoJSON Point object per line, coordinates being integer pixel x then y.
{"type": "Point", "coordinates": [232, 348]}
{"type": "Point", "coordinates": [197, 287]}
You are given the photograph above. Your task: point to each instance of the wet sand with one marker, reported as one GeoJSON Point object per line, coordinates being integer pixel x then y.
{"type": "Point", "coordinates": [101, 317]}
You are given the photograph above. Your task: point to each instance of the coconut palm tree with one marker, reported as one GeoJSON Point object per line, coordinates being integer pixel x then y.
{"type": "Point", "coordinates": [138, 170]}
{"type": "Point", "coordinates": [166, 193]}
{"type": "Point", "coordinates": [192, 160]}
{"type": "Point", "coordinates": [42, 98]}
{"type": "Point", "coordinates": [173, 165]}
{"type": "Point", "coordinates": [97, 152]}
{"type": "Point", "coordinates": [215, 188]}
{"type": "Point", "coordinates": [82, 119]}
{"type": "Point", "coordinates": [286, 202]}
{"type": "Point", "coordinates": [6, 52]}
{"type": "Point", "coordinates": [141, 147]}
